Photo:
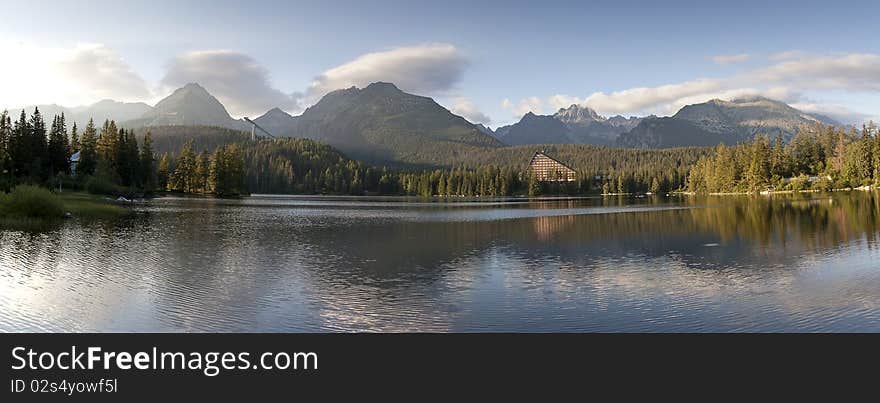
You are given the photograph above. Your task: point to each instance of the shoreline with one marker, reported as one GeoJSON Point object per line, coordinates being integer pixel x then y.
{"type": "Point", "coordinates": [775, 192]}
{"type": "Point", "coordinates": [72, 205]}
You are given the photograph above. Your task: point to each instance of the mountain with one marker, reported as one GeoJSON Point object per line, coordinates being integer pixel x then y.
{"type": "Point", "coordinates": [381, 123]}
{"type": "Point", "coordinates": [538, 129]}
{"type": "Point", "coordinates": [48, 111]}
{"type": "Point", "coordinates": [573, 125]}
{"type": "Point", "coordinates": [109, 109]}
{"type": "Point", "coordinates": [190, 105]}
{"type": "Point", "coordinates": [716, 121]}
{"type": "Point", "coordinates": [99, 111]}
{"type": "Point", "coordinates": [668, 132]}
{"type": "Point", "coordinates": [277, 122]}
{"type": "Point", "coordinates": [625, 124]}
{"type": "Point", "coordinates": [485, 129]}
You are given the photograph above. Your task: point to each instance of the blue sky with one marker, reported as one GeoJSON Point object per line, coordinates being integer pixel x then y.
{"type": "Point", "coordinates": [489, 61]}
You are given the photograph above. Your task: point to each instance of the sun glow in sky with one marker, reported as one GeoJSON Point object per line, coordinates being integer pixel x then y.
{"type": "Point", "coordinates": [489, 61]}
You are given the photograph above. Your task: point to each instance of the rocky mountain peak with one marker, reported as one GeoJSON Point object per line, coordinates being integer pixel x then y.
{"type": "Point", "coordinates": [578, 114]}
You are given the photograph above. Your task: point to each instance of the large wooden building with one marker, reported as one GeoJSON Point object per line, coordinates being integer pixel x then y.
{"type": "Point", "coordinates": [547, 169]}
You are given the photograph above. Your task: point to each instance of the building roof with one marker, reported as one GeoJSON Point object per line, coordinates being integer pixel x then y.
{"type": "Point", "coordinates": [537, 153]}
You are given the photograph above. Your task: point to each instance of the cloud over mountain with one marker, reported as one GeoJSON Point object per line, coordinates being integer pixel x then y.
{"type": "Point", "coordinates": [466, 108]}
{"type": "Point", "coordinates": [786, 78]}
{"type": "Point", "coordinates": [432, 69]}
{"type": "Point", "coordinates": [236, 79]}
{"type": "Point", "coordinates": [526, 105]}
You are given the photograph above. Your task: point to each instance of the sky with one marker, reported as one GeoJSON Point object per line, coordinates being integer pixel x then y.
{"type": "Point", "coordinates": [489, 61]}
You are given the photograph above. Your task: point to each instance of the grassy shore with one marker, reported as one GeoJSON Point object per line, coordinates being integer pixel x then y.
{"type": "Point", "coordinates": [32, 207]}
{"type": "Point", "coordinates": [85, 205]}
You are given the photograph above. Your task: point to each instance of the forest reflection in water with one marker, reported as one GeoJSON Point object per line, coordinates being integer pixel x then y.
{"type": "Point", "coordinates": [273, 263]}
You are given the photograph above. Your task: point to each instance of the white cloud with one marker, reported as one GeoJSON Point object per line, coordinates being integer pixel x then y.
{"type": "Point", "coordinates": [236, 79]}
{"type": "Point", "coordinates": [465, 108]}
{"type": "Point", "coordinates": [73, 76]}
{"type": "Point", "coordinates": [563, 101]}
{"type": "Point", "coordinates": [88, 73]}
{"type": "Point", "coordinates": [730, 59]}
{"type": "Point", "coordinates": [835, 111]}
{"type": "Point", "coordinates": [100, 71]}
{"type": "Point", "coordinates": [530, 104]}
{"type": "Point", "coordinates": [432, 69]}
{"type": "Point", "coordinates": [786, 78]}
{"type": "Point", "coordinates": [646, 98]}
{"type": "Point", "coordinates": [852, 72]}
{"type": "Point", "coordinates": [787, 55]}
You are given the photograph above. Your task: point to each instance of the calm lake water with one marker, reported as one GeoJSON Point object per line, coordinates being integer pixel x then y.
{"type": "Point", "coordinates": [293, 264]}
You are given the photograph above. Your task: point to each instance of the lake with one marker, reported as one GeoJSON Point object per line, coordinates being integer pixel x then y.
{"type": "Point", "coordinates": [349, 264]}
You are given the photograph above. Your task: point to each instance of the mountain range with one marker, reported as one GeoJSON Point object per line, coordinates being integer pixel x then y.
{"type": "Point", "coordinates": [704, 124]}
{"type": "Point", "coordinates": [573, 125]}
{"type": "Point", "coordinates": [190, 105]}
{"type": "Point", "coordinates": [378, 123]}
{"type": "Point", "coordinates": [381, 123]}
{"type": "Point", "coordinates": [717, 121]}
{"type": "Point", "coordinates": [103, 110]}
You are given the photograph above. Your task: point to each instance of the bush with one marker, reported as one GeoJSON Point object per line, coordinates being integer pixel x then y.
{"type": "Point", "coordinates": [101, 186]}
{"type": "Point", "coordinates": [823, 184]}
{"type": "Point", "coordinates": [32, 202]}
{"type": "Point", "coordinates": [799, 183]}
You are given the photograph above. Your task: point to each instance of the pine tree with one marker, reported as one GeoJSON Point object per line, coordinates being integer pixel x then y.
{"type": "Point", "coordinates": [127, 159]}
{"type": "Point", "coordinates": [58, 158]}
{"type": "Point", "coordinates": [758, 174]}
{"type": "Point", "coordinates": [226, 171]}
{"type": "Point", "coordinates": [108, 144]}
{"type": "Point", "coordinates": [88, 156]}
{"type": "Point", "coordinates": [876, 133]}
{"type": "Point", "coordinates": [184, 174]}
{"type": "Point", "coordinates": [534, 185]}
{"type": "Point", "coordinates": [780, 166]}
{"type": "Point", "coordinates": [147, 165]}
{"type": "Point", "coordinates": [202, 173]}
{"type": "Point", "coordinates": [655, 186]}
{"type": "Point", "coordinates": [29, 150]}
{"type": "Point", "coordinates": [73, 143]}
{"type": "Point", "coordinates": [163, 172]}
{"type": "Point", "coordinates": [5, 135]}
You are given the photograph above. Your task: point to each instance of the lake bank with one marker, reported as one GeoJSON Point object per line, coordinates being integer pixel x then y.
{"type": "Point", "coordinates": [776, 192]}
{"type": "Point", "coordinates": [31, 207]}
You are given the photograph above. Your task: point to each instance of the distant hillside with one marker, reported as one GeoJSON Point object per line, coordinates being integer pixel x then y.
{"type": "Point", "coordinates": [381, 123]}
{"type": "Point", "coordinates": [190, 105]}
{"type": "Point", "coordinates": [716, 121]}
{"type": "Point", "coordinates": [112, 110]}
{"type": "Point", "coordinates": [671, 132]}
{"type": "Point", "coordinates": [100, 111]}
{"type": "Point", "coordinates": [277, 122]}
{"type": "Point", "coordinates": [573, 125]}
{"type": "Point", "coordinates": [205, 138]}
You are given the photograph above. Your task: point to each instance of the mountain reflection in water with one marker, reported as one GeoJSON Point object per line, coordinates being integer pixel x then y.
{"type": "Point", "coordinates": [280, 264]}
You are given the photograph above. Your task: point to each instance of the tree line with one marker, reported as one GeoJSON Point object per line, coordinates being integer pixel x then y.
{"type": "Point", "coordinates": [109, 160]}
{"type": "Point", "coordinates": [295, 165]}
{"type": "Point", "coordinates": [817, 157]}
{"type": "Point", "coordinates": [223, 162]}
